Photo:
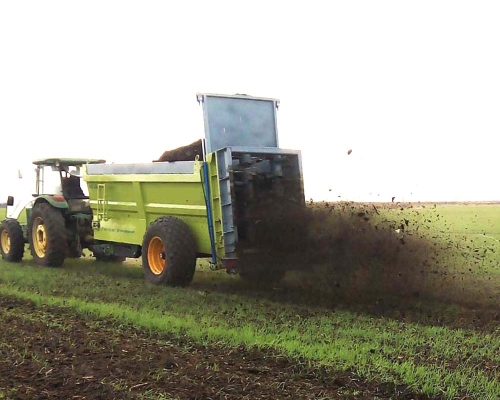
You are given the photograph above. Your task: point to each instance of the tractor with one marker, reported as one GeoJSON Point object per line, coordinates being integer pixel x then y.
{"type": "Point", "coordinates": [56, 221]}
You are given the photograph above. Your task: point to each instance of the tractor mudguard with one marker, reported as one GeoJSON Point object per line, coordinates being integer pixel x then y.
{"type": "Point", "coordinates": [56, 200]}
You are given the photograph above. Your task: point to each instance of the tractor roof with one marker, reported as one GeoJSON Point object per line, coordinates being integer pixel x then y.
{"type": "Point", "coordinates": [68, 161]}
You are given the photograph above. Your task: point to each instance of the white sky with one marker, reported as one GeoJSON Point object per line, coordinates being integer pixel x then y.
{"type": "Point", "coordinates": [413, 88]}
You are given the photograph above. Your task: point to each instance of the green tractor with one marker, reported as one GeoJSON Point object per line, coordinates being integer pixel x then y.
{"type": "Point", "coordinates": [56, 220]}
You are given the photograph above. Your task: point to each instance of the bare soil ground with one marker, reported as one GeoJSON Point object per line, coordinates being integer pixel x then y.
{"type": "Point", "coordinates": [51, 353]}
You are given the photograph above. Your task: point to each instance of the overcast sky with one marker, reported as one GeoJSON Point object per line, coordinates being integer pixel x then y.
{"type": "Point", "coordinates": [413, 88]}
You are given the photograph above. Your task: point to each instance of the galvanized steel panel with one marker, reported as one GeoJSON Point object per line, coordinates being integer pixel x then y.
{"type": "Point", "coordinates": [239, 121]}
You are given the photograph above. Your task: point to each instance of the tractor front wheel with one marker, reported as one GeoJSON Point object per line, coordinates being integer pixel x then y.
{"type": "Point", "coordinates": [47, 236]}
{"type": "Point", "coordinates": [11, 240]}
{"type": "Point", "coordinates": [169, 252]}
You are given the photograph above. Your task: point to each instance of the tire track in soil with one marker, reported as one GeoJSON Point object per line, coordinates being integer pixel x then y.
{"type": "Point", "coordinates": [50, 352]}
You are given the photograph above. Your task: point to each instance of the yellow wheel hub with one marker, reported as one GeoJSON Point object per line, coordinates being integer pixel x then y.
{"type": "Point", "coordinates": [156, 256]}
{"type": "Point", "coordinates": [39, 237]}
{"type": "Point", "coordinates": [5, 241]}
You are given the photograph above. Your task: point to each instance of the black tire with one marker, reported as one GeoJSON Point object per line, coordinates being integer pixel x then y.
{"type": "Point", "coordinates": [11, 240]}
{"type": "Point", "coordinates": [169, 252]}
{"type": "Point", "coordinates": [109, 258]}
{"type": "Point", "coordinates": [48, 238]}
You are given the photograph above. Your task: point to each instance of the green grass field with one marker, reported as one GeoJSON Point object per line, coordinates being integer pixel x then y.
{"type": "Point", "coordinates": [429, 319]}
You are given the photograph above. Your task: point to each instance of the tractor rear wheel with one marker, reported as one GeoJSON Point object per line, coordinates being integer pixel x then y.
{"type": "Point", "coordinates": [47, 236]}
{"type": "Point", "coordinates": [11, 240]}
{"type": "Point", "coordinates": [169, 252]}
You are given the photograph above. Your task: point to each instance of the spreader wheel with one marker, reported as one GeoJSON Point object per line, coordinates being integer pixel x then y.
{"type": "Point", "coordinates": [169, 252]}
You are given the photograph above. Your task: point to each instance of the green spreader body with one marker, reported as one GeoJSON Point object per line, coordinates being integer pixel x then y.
{"type": "Point", "coordinates": [125, 199]}
{"type": "Point", "coordinates": [242, 166]}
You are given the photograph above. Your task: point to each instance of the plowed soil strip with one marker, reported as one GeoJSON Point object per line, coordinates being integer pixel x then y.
{"type": "Point", "coordinates": [49, 352]}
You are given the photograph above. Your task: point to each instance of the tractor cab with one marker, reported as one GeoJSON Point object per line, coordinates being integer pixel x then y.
{"type": "Point", "coordinates": [61, 176]}
{"type": "Point", "coordinates": [58, 181]}
{"type": "Point", "coordinates": [55, 220]}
